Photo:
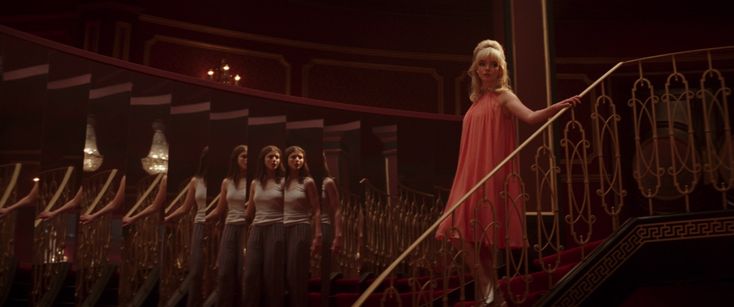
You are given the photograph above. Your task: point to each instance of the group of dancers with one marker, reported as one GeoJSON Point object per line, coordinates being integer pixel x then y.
{"type": "Point", "coordinates": [286, 221]}
{"type": "Point", "coordinates": [280, 213]}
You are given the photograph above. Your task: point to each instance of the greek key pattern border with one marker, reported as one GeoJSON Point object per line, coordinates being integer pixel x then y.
{"type": "Point", "coordinates": [642, 234]}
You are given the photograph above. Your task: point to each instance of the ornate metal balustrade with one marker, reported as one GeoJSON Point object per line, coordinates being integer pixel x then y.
{"type": "Point", "coordinates": [141, 247]}
{"type": "Point", "coordinates": [349, 258]}
{"type": "Point", "coordinates": [212, 236]}
{"type": "Point", "coordinates": [50, 265]}
{"type": "Point", "coordinates": [9, 174]}
{"type": "Point", "coordinates": [93, 248]}
{"type": "Point", "coordinates": [176, 249]}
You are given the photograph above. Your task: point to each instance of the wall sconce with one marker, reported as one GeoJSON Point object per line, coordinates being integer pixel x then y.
{"type": "Point", "coordinates": [223, 74]}
{"type": "Point", "coordinates": [92, 157]}
{"type": "Point", "coordinates": [157, 160]}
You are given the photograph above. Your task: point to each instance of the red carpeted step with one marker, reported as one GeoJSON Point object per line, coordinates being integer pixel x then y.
{"type": "Point", "coordinates": [346, 285]}
{"type": "Point", "coordinates": [314, 299]}
{"type": "Point", "coordinates": [538, 281]}
{"type": "Point", "coordinates": [529, 292]}
{"type": "Point", "coordinates": [345, 291]}
{"type": "Point", "coordinates": [572, 255]}
{"type": "Point", "coordinates": [314, 284]}
{"type": "Point", "coordinates": [530, 301]}
{"type": "Point", "coordinates": [376, 299]}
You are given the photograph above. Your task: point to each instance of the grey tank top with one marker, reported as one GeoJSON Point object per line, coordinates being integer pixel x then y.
{"type": "Point", "coordinates": [297, 208]}
{"type": "Point", "coordinates": [325, 207]}
{"type": "Point", "coordinates": [236, 199]}
{"type": "Point", "coordinates": [200, 198]}
{"type": "Point", "coordinates": [268, 202]}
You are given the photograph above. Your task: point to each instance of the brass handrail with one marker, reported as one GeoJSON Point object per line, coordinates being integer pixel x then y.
{"type": "Point", "coordinates": [144, 196]}
{"type": "Point", "coordinates": [11, 184]}
{"type": "Point", "coordinates": [175, 200]}
{"type": "Point", "coordinates": [102, 191]}
{"type": "Point", "coordinates": [213, 202]}
{"type": "Point", "coordinates": [57, 194]}
{"type": "Point", "coordinates": [93, 239]}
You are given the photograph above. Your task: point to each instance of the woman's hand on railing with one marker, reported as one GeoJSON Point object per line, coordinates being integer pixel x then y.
{"type": "Point", "coordinates": [47, 215]}
{"type": "Point", "coordinates": [128, 220]}
{"type": "Point", "coordinates": [568, 102]}
{"type": "Point", "coordinates": [87, 218]}
{"type": "Point", "coordinates": [168, 219]}
{"type": "Point", "coordinates": [553, 109]}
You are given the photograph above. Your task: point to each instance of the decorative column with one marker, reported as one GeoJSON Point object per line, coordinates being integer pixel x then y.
{"type": "Point", "coordinates": [388, 135]}
{"type": "Point", "coordinates": [335, 154]}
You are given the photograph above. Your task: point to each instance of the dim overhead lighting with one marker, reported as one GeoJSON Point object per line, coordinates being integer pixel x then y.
{"type": "Point", "coordinates": [223, 74]}
{"type": "Point", "coordinates": [157, 160]}
{"type": "Point", "coordinates": [92, 157]}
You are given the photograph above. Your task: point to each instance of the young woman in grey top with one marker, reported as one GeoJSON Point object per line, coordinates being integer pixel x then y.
{"type": "Point", "coordinates": [195, 195]}
{"type": "Point", "coordinates": [301, 220]}
{"type": "Point", "coordinates": [331, 230]}
{"type": "Point", "coordinates": [265, 262]}
{"type": "Point", "coordinates": [230, 257]}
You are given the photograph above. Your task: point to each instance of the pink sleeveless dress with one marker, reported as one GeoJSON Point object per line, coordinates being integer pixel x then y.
{"type": "Point", "coordinates": [487, 137]}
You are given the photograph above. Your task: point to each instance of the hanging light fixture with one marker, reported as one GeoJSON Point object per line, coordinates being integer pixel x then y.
{"type": "Point", "coordinates": [92, 157]}
{"type": "Point", "coordinates": [223, 74]}
{"type": "Point", "coordinates": [157, 160]}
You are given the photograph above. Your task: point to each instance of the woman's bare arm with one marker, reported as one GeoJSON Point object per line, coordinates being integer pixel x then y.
{"type": "Point", "coordinates": [187, 203]}
{"type": "Point", "coordinates": [110, 206]}
{"type": "Point", "coordinates": [156, 206]}
{"type": "Point", "coordinates": [221, 204]}
{"type": "Point", "coordinates": [27, 200]}
{"type": "Point", "coordinates": [513, 104]}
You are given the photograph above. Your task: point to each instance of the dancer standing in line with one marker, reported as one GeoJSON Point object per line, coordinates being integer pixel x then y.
{"type": "Point", "coordinates": [487, 137]}
{"type": "Point", "coordinates": [302, 222]}
{"type": "Point", "coordinates": [196, 194]}
{"type": "Point", "coordinates": [265, 260]}
{"type": "Point", "coordinates": [233, 196]}
{"type": "Point", "coordinates": [331, 230]}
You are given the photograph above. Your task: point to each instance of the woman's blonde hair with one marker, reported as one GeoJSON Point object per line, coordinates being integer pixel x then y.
{"type": "Point", "coordinates": [493, 49]}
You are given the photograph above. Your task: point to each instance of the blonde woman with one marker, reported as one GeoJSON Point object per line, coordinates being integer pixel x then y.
{"type": "Point", "coordinates": [487, 137]}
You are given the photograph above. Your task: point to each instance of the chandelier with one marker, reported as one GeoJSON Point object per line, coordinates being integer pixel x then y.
{"type": "Point", "coordinates": [157, 160]}
{"type": "Point", "coordinates": [92, 157]}
{"type": "Point", "coordinates": [223, 74]}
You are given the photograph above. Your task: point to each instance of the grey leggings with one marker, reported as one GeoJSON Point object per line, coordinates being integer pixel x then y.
{"type": "Point", "coordinates": [265, 266]}
{"type": "Point", "coordinates": [196, 266]}
{"type": "Point", "coordinates": [298, 245]}
{"type": "Point", "coordinates": [229, 268]}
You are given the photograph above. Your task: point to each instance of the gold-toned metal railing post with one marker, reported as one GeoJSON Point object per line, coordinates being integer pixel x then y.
{"type": "Point", "coordinates": [684, 167]}
{"type": "Point", "coordinates": [719, 170]}
{"type": "Point", "coordinates": [579, 216]}
{"type": "Point", "coordinates": [610, 178]}
{"type": "Point", "coordinates": [646, 165]}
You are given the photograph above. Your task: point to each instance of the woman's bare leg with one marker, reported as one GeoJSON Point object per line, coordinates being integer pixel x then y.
{"type": "Point", "coordinates": [477, 268]}
{"type": "Point", "coordinates": [491, 288]}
